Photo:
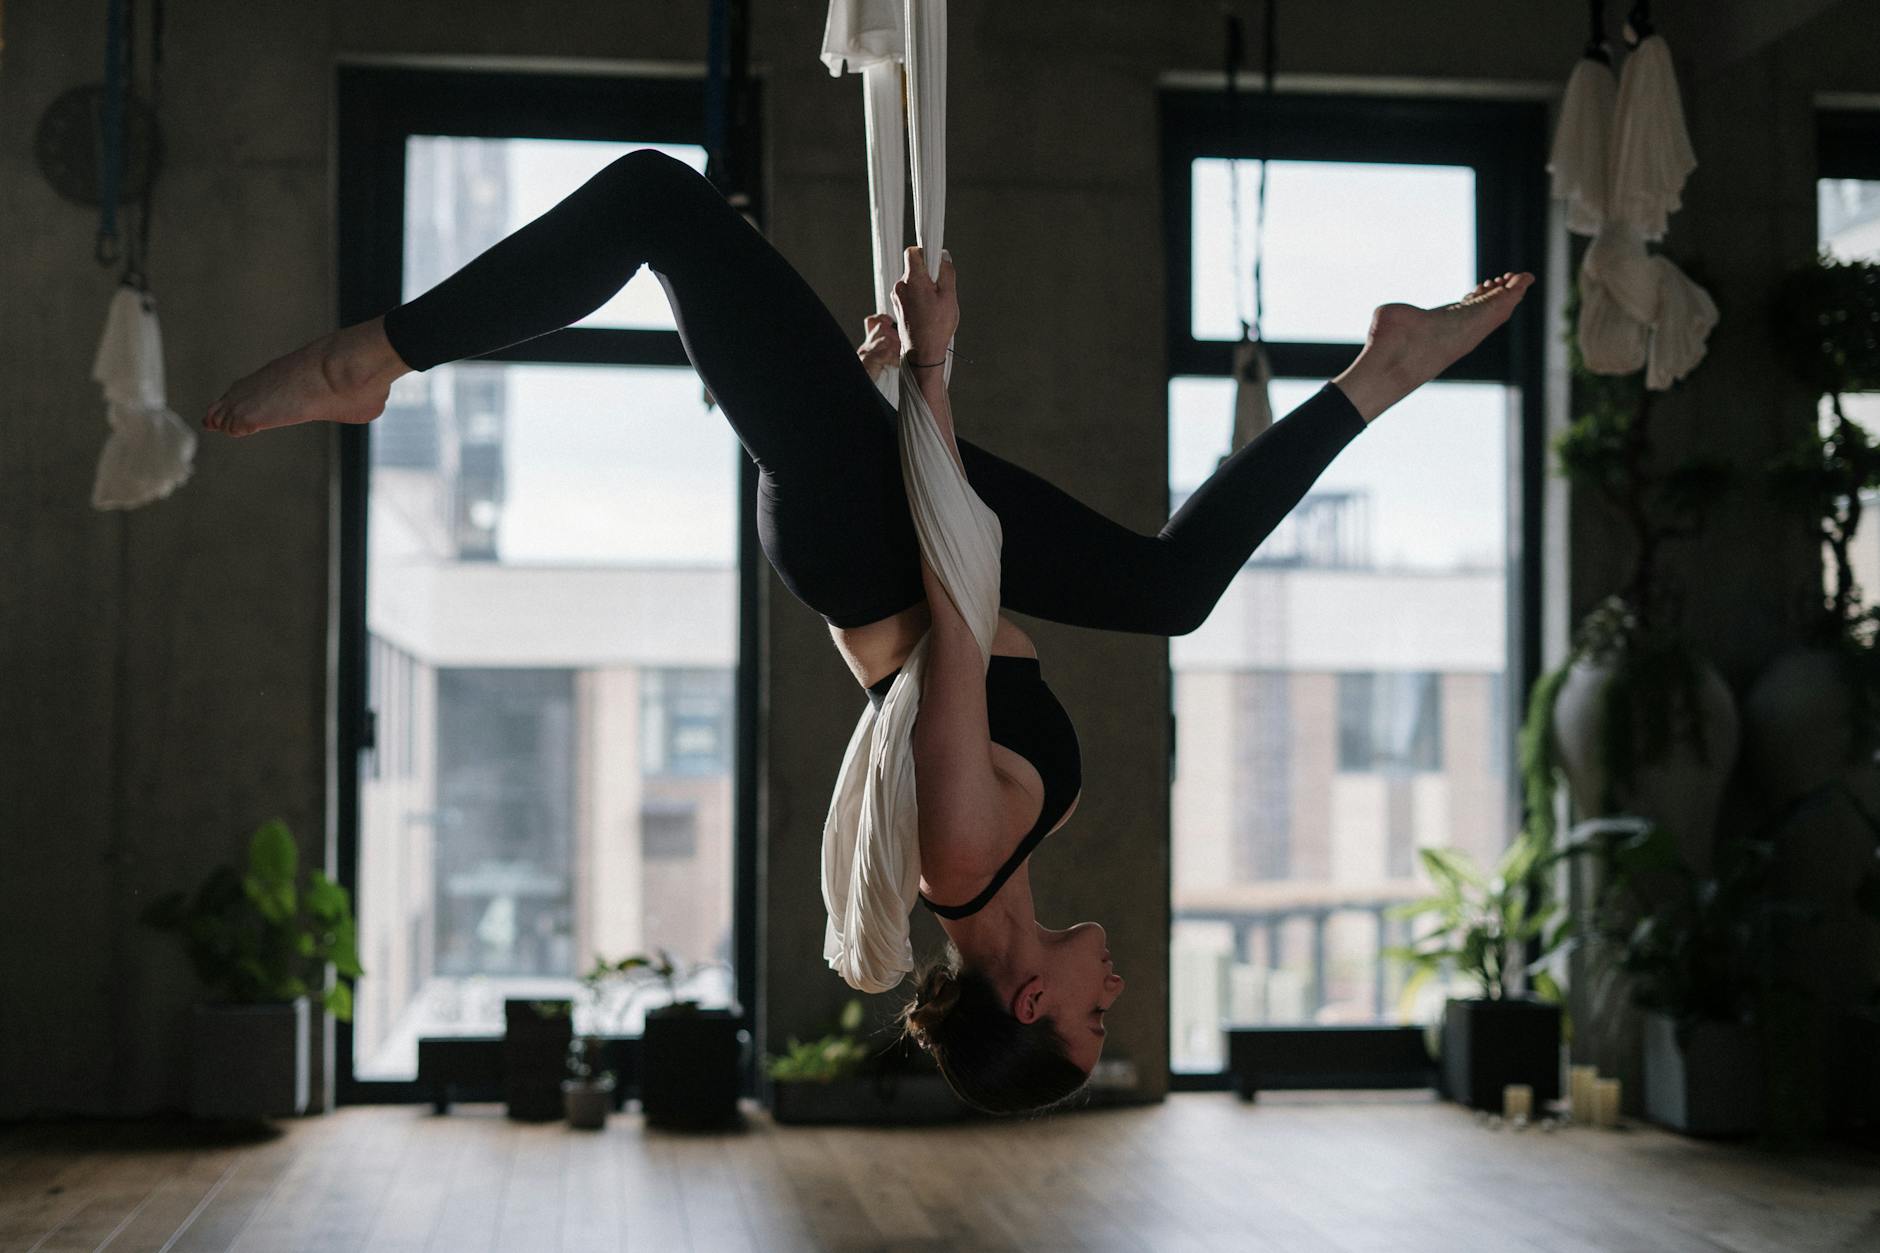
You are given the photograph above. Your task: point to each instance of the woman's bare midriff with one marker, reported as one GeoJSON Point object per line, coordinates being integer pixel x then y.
{"type": "Point", "coordinates": [877, 650]}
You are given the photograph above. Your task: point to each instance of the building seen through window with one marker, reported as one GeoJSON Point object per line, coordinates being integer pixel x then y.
{"type": "Point", "coordinates": [1342, 707]}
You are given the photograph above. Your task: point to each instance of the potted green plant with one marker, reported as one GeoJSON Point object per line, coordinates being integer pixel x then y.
{"type": "Point", "coordinates": [1814, 713]}
{"type": "Point", "coordinates": [691, 1057]}
{"type": "Point", "coordinates": [262, 940]}
{"type": "Point", "coordinates": [843, 1078]}
{"type": "Point", "coordinates": [1483, 926]}
{"type": "Point", "coordinates": [1702, 955]}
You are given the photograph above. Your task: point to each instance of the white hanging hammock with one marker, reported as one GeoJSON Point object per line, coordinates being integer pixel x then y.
{"type": "Point", "coordinates": [149, 452]}
{"type": "Point", "coordinates": [1619, 159]}
{"type": "Point", "coordinates": [871, 837]}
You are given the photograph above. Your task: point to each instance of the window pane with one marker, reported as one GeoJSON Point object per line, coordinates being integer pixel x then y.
{"type": "Point", "coordinates": [1850, 217]}
{"type": "Point", "coordinates": [1337, 712]}
{"type": "Point", "coordinates": [462, 194]}
{"type": "Point", "coordinates": [1850, 231]}
{"type": "Point", "coordinates": [1341, 239]}
{"type": "Point", "coordinates": [552, 633]}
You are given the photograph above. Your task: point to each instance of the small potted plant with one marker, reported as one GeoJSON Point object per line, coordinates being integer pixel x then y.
{"type": "Point", "coordinates": [842, 1079]}
{"type": "Point", "coordinates": [262, 941]}
{"type": "Point", "coordinates": [588, 1091]}
{"type": "Point", "coordinates": [690, 1057]}
{"type": "Point", "coordinates": [1483, 925]}
{"type": "Point", "coordinates": [1701, 955]}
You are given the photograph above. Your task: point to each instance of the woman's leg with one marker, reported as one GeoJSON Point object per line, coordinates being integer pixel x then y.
{"type": "Point", "coordinates": [1068, 563]}
{"type": "Point", "coordinates": [832, 517]}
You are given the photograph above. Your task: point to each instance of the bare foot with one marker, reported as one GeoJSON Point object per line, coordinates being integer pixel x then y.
{"type": "Point", "coordinates": [344, 376]}
{"type": "Point", "coordinates": [1408, 346]}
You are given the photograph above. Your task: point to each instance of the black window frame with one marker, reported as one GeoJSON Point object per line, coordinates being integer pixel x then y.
{"type": "Point", "coordinates": [378, 108]}
{"type": "Point", "coordinates": [1499, 139]}
{"type": "Point", "coordinates": [1847, 144]}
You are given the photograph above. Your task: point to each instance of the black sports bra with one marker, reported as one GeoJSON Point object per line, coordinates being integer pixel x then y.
{"type": "Point", "coordinates": [1024, 716]}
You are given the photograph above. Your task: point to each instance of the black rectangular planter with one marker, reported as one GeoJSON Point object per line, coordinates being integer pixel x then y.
{"type": "Point", "coordinates": [536, 1035]}
{"type": "Point", "coordinates": [249, 1061]}
{"type": "Point", "coordinates": [455, 1068]}
{"type": "Point", "coordinates": [689, 1067]}
{"type": "Point", "coordinates": [1711, 1085]}
{"type": "Point", "coordinates": [1490, 1044]}
{"type": "Point", "coordinates": [1276, 1058]}
{"type": "Point", "coordinates": [1859, 1061]}
{"type": "Point", "coordinates": [892, 1100]}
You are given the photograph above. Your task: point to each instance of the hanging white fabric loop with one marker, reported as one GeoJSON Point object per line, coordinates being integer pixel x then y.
{"type": "Point", "coordinates": [871, 837]}
{"type": "Point", "coordinates": [1579, 161]}
{"type": "Point", "coordinates": [885, 119]}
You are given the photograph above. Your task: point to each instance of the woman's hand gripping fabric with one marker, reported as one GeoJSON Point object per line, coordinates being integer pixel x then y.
{"type": "Point", "coordinates": [881, 344]}
{"type": "Point", "coordinates": [928, 309]}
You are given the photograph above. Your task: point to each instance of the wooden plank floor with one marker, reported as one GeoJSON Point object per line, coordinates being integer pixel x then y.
{"type": "Point", "coordinates": [1295, 1173]}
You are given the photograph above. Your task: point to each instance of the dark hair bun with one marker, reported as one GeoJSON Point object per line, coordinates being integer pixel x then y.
{"type": "Point", "coordinates": [934, 998]}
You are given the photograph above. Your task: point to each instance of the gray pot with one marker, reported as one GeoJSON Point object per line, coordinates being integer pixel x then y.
{"type": "Point", "coordinates": [1680, 791]}
{"type": "Point", "coordinates": [249, 1061]}
{"type": "Point", "coordinates": [1711, 1087]}
{"type": "Point", "coordinates": [1798, 722]}
{"type": "Point", "coordinates": [586, 1102]}
{"type": "Point", "coordinates": [1799, 736]}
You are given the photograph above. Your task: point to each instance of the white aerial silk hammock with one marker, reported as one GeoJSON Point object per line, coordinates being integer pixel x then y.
{"type": "Point", "coordinates": [871, 837]}
{"type": "Point", "coordinates": [1619, 159]}
{"type": "Point", "coordinates": [149, 452]}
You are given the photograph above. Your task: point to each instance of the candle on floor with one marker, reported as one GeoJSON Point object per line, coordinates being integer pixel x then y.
{"type": "Point", "coordinates": [1517, 1102]}
{"type": "Point", "coordinates": [1580, 1080]}
{"type": "Point", "coordinates": [1606, 1103]}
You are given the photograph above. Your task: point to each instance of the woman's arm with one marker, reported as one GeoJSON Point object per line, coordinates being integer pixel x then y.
{"type": "Point", "coordinates": [962, 800]}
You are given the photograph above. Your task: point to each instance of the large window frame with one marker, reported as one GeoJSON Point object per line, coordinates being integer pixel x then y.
{"type": "Point", "coordinates": [1847, 144]}
{"type": "Point", "coordinates": [1500, 140]}
{"type": "Point", "coordinates": [379, 108]}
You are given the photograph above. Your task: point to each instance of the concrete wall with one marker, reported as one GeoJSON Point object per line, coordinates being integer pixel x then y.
{"type": "Point", "coordinates": [167, 674]}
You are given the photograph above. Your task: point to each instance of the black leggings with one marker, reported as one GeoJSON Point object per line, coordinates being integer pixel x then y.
{"type": "Point", "coordinates": [832, 513]}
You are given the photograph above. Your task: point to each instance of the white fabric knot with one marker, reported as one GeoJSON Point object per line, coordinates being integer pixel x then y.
{"type": "Point", "coordinates": [150, 451]}
{"type": "Point", "coordinates": [861, 33]}
{"type": "Point", "coordinates": [1619, 159]}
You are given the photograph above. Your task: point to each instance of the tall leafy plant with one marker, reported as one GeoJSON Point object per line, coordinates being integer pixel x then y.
{"type": "Point", "coordinates": [1612, 452]}
{"type": "Point", "coordinates": [1695, 947]}
{"type": "Point", "coordinates": [1482, 923]}
{"type": "Point", "coordinates": [1827, 325]}
{"type": "Point", "coordinates": [258, 934]}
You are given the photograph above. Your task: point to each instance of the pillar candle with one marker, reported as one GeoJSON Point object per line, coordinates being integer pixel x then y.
{"type": "Point", "coordinates": [1517, 1102]}
{"type": "Point", "coordinates": [1580, 1080]}
{"type": "Point", "coordinates": [1606, 1103]}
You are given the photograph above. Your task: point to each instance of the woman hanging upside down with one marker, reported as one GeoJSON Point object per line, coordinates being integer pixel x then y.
{"type": "Point", "coordinates": [1014, 1013]}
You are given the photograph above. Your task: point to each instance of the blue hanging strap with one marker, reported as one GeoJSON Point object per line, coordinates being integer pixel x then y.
{"type": "Point", "coordinates": [111, 141]}
{"type": "Point", "coordinates": [138, 259]}
{"type": "Point", "coordinates": [717, 102]}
